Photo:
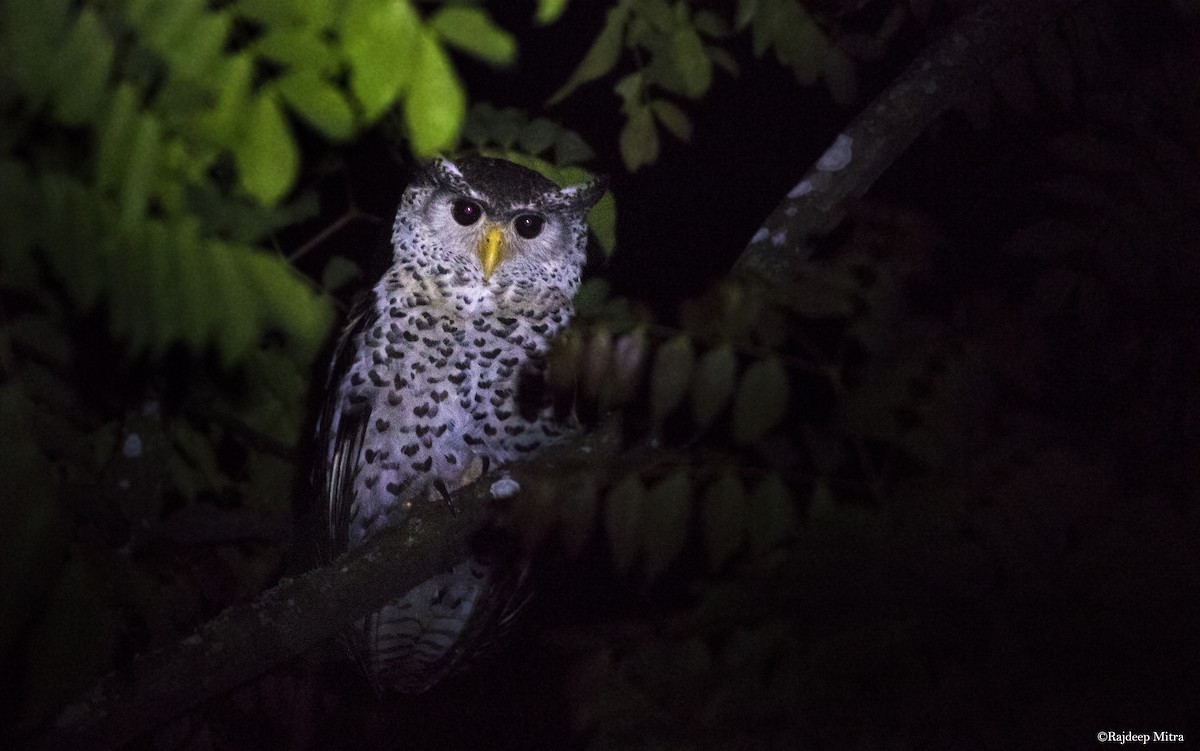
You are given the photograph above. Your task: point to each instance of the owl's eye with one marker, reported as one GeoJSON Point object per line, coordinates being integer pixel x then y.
{"type": "Point", "coordinates": [529, 226]}
{"type": "Point", "coordinates": [466, 212]}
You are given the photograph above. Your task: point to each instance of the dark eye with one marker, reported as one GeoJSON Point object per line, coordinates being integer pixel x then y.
{"type": "Point", "coordinates": [528, 226]}
{"type": "Point", "coordinates": [466, 212]}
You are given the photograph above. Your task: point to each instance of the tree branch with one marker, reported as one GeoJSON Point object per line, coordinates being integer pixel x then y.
{"type": "Point", "coordinates": [944, 75]}
{"type": "Point", "coordinates": [297, 614]}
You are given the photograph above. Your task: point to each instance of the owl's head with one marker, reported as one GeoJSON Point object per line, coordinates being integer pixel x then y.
{"type": "Point", "coordinates": [496, 224]}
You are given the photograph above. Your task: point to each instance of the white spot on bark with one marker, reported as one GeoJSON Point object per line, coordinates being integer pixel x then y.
{"type": "Point", "coordinates": [838, 155]}
{"type": "Point", "coordinates": [505, 487]}
{"type": "Point", "coordinates": [803, 188]}
{"type": "Point", "coordinates": [132, 448]}
{"type": "Point", "coordinates": [760, 235]}
{"type": "Point", "coordinates": [779, 238]}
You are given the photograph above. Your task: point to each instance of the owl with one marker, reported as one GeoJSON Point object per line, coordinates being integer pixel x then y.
{"type": "Point", "coordinates": [435, 379]}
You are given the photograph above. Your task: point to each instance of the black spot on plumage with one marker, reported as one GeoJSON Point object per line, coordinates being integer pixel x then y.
{"type": "Point", "coordinates": [393, 336]}
{"type": "Point", "coordinates": [440, 430]}
{"type": "Point", "coordinates": [496, 400]}
{"type": "Point", "coordinates": [394, 399]}
{"type": "Point", "coordinates": [504, 372]}
{"type": "Point", "coordinates": [370, 480]}
{"type": "Point", "coordinates": [379, 358]}
{"type": "Point", "coordinates": [410, 449]}
{"type": "Point", "coordinates": [514, 429]}
{"type": "Point", "coordinates": [356, 398]}
{"type": "Point", "coordinates": [419, 367]}
{"type": "Point", "coordinates": [479, 415]}
{"type": "Point", "coordinates": [464, 403]}
{"type": "Point", "coordinates": [489, 429]}
{"type": "Point", "coordinates": [356, 379]}
{"type": "Point", "coordinates": [491, 354]}
{"type": "Point", "coordinates": [427, 442]}
{"type": "Point", "coordinates": [410, 336]}
{"type": "Point", "coordinates": [422, 430]}
{"type": "Point", "coordinates": [540, 328]}
{"type": "Point", "coordinates": [394, 352]}
{"type": "Point", "coordinates": [445, 351]}
{"type": "Point", "coordinates": [394, 488]}
{"type": "Point", "coordinates": [377, 332]}
{"type": "Point", "coordinates": [382, 425]}
{"type": "Point", "coordinates": [479, 342]}
{"type": "Point", "coordinates": [506, 321]}
{"type": "Point", "coordinates": [399, 382]}
{"type": "Point", "coordinates": [509, 362]}
{"type": "Point", "coordinates": [451, 459]}
{"type": "Point", "coordinates": [549, 431]}
{"type": "Point", "coordinates": [503, 414]}
{"type": "Point", "coordinates": [527, 447]}
{"type": "Point", "coordinates": [439, 396]}
{"type": "Point", "coordinates": [421, 410]}
{"type": "Point", "coordinates": [429, 342]}
{"type": "Point", "coordinates": [377, 379]}
{"type": "Point", "coordinates": [369, 455]}
{"type": "Point", "coordinates": [462, 365]}
{"type": "Point", "coordinates": [471, 440]}
{"type": "Point", "coordinates": [456, 378]}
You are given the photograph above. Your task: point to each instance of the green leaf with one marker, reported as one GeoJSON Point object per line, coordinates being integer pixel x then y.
{"type": "Point", "coordinates": [691, 61]}
{"type": "Point", "coordinates": [711, 25]}
{"type": "Point", "coordinates": [84, 64]}
{"type": "Point", "coordinates": [234, 323]}
{"type": "Point", "coordinates": [436, 105]}
{"type": "Point", "coordinates": [761, 400]}
{"type": "Point", "coordinates": [198, 50]}
{"type": "Point", "coordinates": [772, 515]}
{"type": "Point", "coordinates": [622, 515]}
{"type": "Point", "coordinates": [538, 136]}
{"type": "Point", "coordinates": [549, 11]}
{"type": "Point", "coordinates": [664, 524]}
{"type": "Point", "coordinates": [601, 57]}
{"type": "Point", "coordinates": [223, 123]}
{"type": "Point", "coordinates": [577, 516]}
{"type": "Point", "coordinates": [639, 139]}
{"type": "Point", "coordinates": [381, 43]}
{"type": "Point", "coordinates": [602, 220]}
{"type": "Point", "coordinates": [723, 513]}
{"type": "Point", "coordinates": [339, 272]}
{"type": "Point", "coordinates": [116, 137]}
{"type": "Point", "coordinates": [298, 48]}
{"type": "Point", "coordinates": [267, 158]}
{"type": "Point", "coordinates": [472, 31]}
{"type": "Point", "coordinates": [570, 148]}
{"type": "Point", "coordinates": [674, 119]}
{"type": "Point", "coordinates": [670, 375]}
{"type": "Point", "coordinates": [839, 74]}
{"type": "Point", "coordinates": [140, 169]}
{"type": "Point", "coordinates": [716, 376]}
{"type": "Point", "coordinates": [318, 102]}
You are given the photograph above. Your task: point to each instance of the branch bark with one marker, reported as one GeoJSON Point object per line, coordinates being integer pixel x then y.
{"type": "Point", "coordinates": [297, 614]}
{"type": "Point", "coordinates": [942, 76]}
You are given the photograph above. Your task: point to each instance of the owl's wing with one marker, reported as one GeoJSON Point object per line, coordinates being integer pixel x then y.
{"type": "Point", "coordinates": [341, 429]}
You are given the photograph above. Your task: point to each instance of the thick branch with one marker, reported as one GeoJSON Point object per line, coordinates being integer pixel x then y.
{"type": "Point", "coordinates": [297, 614]}
{"type": "Point", "coordinates": [941, 77]}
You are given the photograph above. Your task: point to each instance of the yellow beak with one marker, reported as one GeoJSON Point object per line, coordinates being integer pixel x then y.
{"type": "Point", "coordinates": [491, 251]}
